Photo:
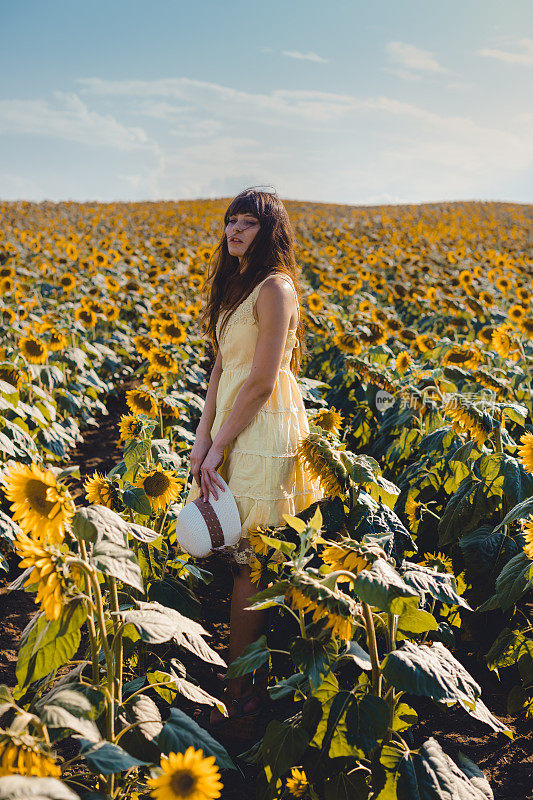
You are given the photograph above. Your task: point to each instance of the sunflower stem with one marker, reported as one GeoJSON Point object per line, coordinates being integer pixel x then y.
{"type": "Point", "coordinates": [302, 622]}
{"type": "Point", "coordinates": [90, 618]}
{"type": "Point", "coordinates": [372, 649]}
{"type": "Point", "coordinates": [117, 642]}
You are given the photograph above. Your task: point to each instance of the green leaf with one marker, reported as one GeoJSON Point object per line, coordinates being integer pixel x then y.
{"type": "Point", "coordinates": [313, 657]}
{"type": "Point", "coordinates": [347, 786]}
{"type": "Point", "coordinates": [55, 716]}
{"type": "Point", "coordinates": [136, 499]}
{"type": "Point", "coordinates": [118, 561]}
{"type": "Point", "coordinates": [105, 758]}
{"type": "Point", "coordinates": [158, 624]}
{"type": "Point", "coordinates": [414, 620]}
{"type": "Point", "coordinates": [367, 722]}
{"type": "Point", "coordinates": [439, 585]}
{"type": "Point", "coordinates": [339, 745]}
{"type": "Point", "coordinates": [355, 652]}
{"type": "Point", "coordinates": [252, 657]}
{"type": "Point", "coordinates": [430, 671]}
{"type": "Point", "coordinates": [20, 787]}
{"type": "Point", "coordinates": [505, 649]}
{"type": "Point", "coordinates": [381, 586]}
{"type": "Point", "coordinates": [520, 511]}
{"type": "Point", "coordinates": [47, 645]}
{"type": "Point", "coordinates": [135, 451]}
{"type": "Point", "coordinates": [514, 580]}
{"type": "Point", "coordinates": [283, 745]}
{"type": "Point", "coordinates": [175, 593]}
{"type": "Point", "coordinates": [180, 732]}
{"type": "Point", "coordinates": [145, 714]}
{"type": "Point", "coordinates": [404, 717]}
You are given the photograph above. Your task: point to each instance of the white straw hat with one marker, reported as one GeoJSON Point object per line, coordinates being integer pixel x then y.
{"type": "Point", "coordinates": [203, 526]}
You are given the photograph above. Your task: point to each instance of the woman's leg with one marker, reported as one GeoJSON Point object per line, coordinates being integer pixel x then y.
{"type": "Point", "coordinates": [245, 628]}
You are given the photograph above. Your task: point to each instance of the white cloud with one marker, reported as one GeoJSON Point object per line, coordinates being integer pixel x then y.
{"type": "Point", "coordinates": [305, 56]}
{"type": "Point", "coordinates": [412, 58]}
{"type": "Point", "coordinates": [69, 119]}
{"type": "Point", "coordinates": [525, 58]}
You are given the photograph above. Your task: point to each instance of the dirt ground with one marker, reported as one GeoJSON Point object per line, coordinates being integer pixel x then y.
{"type": "Point", "coordinates": [507, 764]}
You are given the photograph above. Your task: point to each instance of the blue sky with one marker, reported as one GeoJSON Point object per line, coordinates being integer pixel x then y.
{"type": "Point", "coordinates": [357, 102]}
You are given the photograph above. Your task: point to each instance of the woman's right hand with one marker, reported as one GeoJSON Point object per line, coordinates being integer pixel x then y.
{"type": "Point", "coordinates": [202, 445]}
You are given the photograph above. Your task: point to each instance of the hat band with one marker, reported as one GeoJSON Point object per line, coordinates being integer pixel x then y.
{"type": "Point", "coordinates": [211, 520]}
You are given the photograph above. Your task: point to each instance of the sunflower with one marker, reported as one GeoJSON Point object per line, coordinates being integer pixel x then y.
{"type": "Point", "coordinates": [49, 571]}
{"type": "Point", "coordinates": [112, 284]}
{"type": "Point", "coordinates": [40, 504]}
{"type": "Point", "coordinates": [501, 341]}
{"type": "Point", "coordinates": [329, 419]}
{"type": "Point", "coordinates": [332, 606]}
{"type": "Point", "coordinates": [297, 784]}
{"type": "Point", "coordinates": [403, 361]}
{"type": "Point", "coordinates": [6, 286]}
{"type": "Point", "coordinates": [323, 463]}
{"type": "Point", "coordinates": [58, 341]}
{"type": "Point", "coordinates": [466, 418]}
{"type": "Point", "coordinates": [22, 754]}
{"type": "Point", "coordinates": [162, 360]}
{"type": "Point", "coordinates": [413, 512]}
{"type": "Point", "coordinates": [526, 326]}
{"type": "Point", "coordinates": [438, 562]}
{"type": "Point", "coordinates": [260, 547]}
{"type": "Point", "coordinates": [187, 776]}
{"type": "Point", "coordinates": [160, 486]}
{"type": "Point", "coordinates": [256, 570]}
{"type": "Point", "coordinates": [129, 427]}
{"type": "Point", "coordinates": [67, 282]}
{"type": "Point", "coordinates": [173, 332]}
{"type": "Point", "coordinates": [100, 490]}
{"type": "Point", "coordinates": [86, 316]}
{"type": "Point", "coordinates": [525, 452]}
{"type": "Point", "coordinates": [516, 312]}
{"type": "Point", "coordinates": [528, 536]}
{"type": "Point", "coordinates": [8, 316]}
{"type": "Point", "coordinates": [143, 344]}
{"type": "Point", "coordinates": [13, 375]}
{"type": "Point", "coordinates": [348, 343]}
{"type": "Point", "coordinates": [314, 302]}
{"type": "Point", "coordinates": [142, 402]}
{"type": "Point", "coordinates": [345, 556]}
{"type": "Point", "coordinates": [34, 351]}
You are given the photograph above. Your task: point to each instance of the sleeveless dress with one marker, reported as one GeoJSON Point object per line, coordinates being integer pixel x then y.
{"type": "Point", "coordinates": [260, 465]}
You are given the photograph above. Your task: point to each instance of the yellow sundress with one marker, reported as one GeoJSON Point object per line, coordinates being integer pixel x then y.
{"type": "Point", "coordinates": [260, 465]}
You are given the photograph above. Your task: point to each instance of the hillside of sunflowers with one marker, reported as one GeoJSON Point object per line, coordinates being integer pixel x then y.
{"type": "Point", "coordinates": [399, 643]}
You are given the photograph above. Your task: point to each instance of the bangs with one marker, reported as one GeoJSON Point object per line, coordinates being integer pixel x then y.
{"type": "Point", "coordinates": [245, 204]}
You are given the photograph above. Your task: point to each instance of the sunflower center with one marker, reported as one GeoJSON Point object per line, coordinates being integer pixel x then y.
{"type": "Point", "coordinates": [34, 348]}
{"type": "Point", "coordinates": [144, 403]}
{"type": "Point", "coordinates": [182, 783]}
{"type": "Point", "coordinates": [36, 494]}
{"type": "Point", "coordinates": [156, 484]}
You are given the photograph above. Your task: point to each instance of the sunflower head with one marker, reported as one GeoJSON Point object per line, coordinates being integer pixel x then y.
{"type": "Point", "coordinates": [41, 505]}
{"type": "Point", "coordinates": [141, 401]}
{"type": "Point", "coordinates": [333, 607]}
{"type": "Point", "coordinates": [438, 561]}
{"type": "Point", "coordinates": [187, 775]}
{"type": "Point", "coordinates": [33, 350]}
{"type": "Point", "coordinates": [101, 490]}
{"type": "Point", "coordinates": [161, 486]}
{"type": "Point", "coordinates": [130, 427]}
{"type": "Point", "coordinates": [329, 419]}
{"type": "Point", "coordinates": [323, 462]}
{"type": "Point", "coordinates": [22, 754]}
{"type": "Point", "coordinates": [525, 451]}
{"type": "Point", "coordinates": [297, 784]}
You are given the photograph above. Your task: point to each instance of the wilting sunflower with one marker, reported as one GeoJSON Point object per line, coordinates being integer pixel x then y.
{"type": "Point", "coordinates": [329, 419]}
{"type": "Point", "coordinates": [187, 776]}
{"type": "Point", "coordinates": [297, 784]}
{"type": "Point", "coordinates": [49, 571]}
{"type": "Point", "coordinates": [330, 605]}
{"type": "Point", "coordinates": [528, 536]}
{"type": "Point", "coordinates": [100, 490]}
{"type": "Point", "coordinates": [525, 452]}
{"type": "Point", "coordinates": [22, 754]}
{"type": "Point", "coordinates": [141, 402]}
{"type": "Point", "coordinates": [41, 506]}
{"type": "Point", "coordinates": [34, 351]}
{"type": "Point", "coordinates": [143, 344]}
{"type": "Point", "coordinates": [348, 343]}
{"type": "Point", "coordinates": [403, 361]}
{"type": "Point", "coordinates": [13, 375]}
{"type": "Point", "coordinates": [467, 419]}
{"type": "Point", "coordinates": [345, 555]}
{"type": "Point", "coordinates": [8, 315]}
{"type": "Point", "coordinates": [323, 463]}
{"type": "Point", "coordinates": [160, 486]}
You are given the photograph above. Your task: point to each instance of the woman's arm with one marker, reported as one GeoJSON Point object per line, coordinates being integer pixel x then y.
{"type": "Point", "coordinates": [208, 412]}
{"type": "Point", "coordinates": [274, 308]}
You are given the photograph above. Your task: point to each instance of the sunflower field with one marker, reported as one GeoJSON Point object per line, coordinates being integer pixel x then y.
{"type": "Point", "coordinates": [400, 598]}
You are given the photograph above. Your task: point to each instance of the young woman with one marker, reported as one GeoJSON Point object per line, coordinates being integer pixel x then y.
{"type": "Point", "coordinates": [254, 413]}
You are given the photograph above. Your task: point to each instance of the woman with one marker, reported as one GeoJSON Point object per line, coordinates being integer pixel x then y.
{"type": "Point", "coordinates": [254, 414]}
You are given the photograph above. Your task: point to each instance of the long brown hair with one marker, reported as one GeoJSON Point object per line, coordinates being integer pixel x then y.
{"type": "Point", "coordinates": [272, 249]}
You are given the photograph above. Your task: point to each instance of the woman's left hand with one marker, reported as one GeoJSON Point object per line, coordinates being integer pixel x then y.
{"type": "Point", "coordinates": [208, 472]}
